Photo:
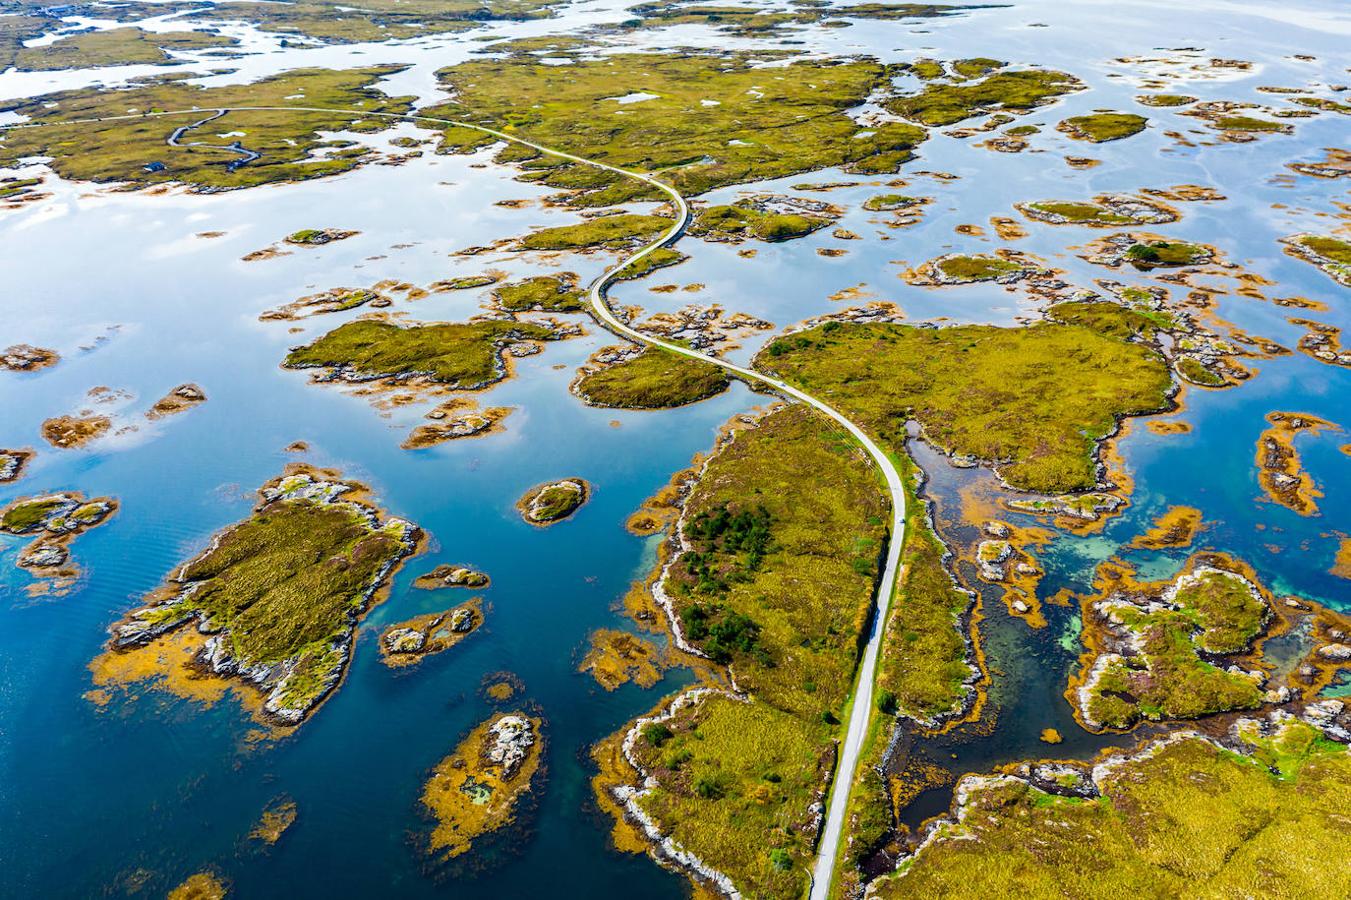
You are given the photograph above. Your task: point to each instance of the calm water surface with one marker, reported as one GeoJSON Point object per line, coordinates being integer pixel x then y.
{"type": "Point", "coordinates": [120, 284]}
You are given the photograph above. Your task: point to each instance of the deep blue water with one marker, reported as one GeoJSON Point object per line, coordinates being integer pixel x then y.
{"type": "Point", "coordinates": [88, 795]}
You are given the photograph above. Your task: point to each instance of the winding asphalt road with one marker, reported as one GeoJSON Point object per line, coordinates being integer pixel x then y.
{"type": "Point", "coordinates": [862, 704]}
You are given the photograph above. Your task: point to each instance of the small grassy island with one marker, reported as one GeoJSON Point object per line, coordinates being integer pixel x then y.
{"type": "Point", "coordinates": [660, 258]}
{"type": "Point", "coordinates": [1102, 127]}
{"type": "Point", "coordinates": [13, 463]}
{"type": "Point", "coordinates": [648, 378]}
{"type": "Point", "coordinates": [1164, 101]}
{"type": "Point", "coordinates": [1104, 211]}
{"type": "Point", "coordinates": [115, 47]}
{"type": "Point", "coordinates": [783, 531]}
{"type": "Point", "coordinates": [461, 355]}
{"type": "Point", "coordinates": [1150, 649]}
{"type": "Point", "coordinates": [554, 293]}
{"type": "Point", "coordinates": [339, 299]}
{"type": "Point", "coordinates": [1146, 255]}
{"type": "Point", "coordinates": [553, 501]}
{"type": "Point", "coordinates": [892, 202]}
{"type": "Point", "coordinates": [202, 886]}
{"type": "Point", "coordinates": [478, 789]}
{"type": "Point", "coordinates": [180, 399]}
{"type": "Point", "coordinates": [133, 151]}
{"type": "Point", "coordinates": [410, 642]}
{"type": "Point", "coordinates": [1181, 817]}
{"type": "Point", "coordinates": [617, 232]}
{"type": "Point", "coordinates": [73, 432]}
{"type": "Point", "coordinates": [274, 600]}
{"type": "Point", "coordinates": [317, 237]}
{"type": "Point", "coordinates": [1034, 401]}
{"type": "Point", "coordinates": [53, 521]}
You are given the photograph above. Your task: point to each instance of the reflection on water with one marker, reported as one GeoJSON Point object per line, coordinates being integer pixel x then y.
{"type": "Point", "coordinates": [130, 294]}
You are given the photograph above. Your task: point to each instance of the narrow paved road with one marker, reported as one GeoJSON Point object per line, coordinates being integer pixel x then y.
{"type": "Point", "coordinates": [847, 762]}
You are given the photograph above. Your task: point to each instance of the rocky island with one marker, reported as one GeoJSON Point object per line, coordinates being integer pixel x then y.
{"type": "Point", "coordinates": [277, 597]}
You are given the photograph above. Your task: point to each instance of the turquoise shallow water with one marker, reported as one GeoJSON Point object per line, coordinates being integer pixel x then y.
{"type": "Point", "coordinates": [90, 795]}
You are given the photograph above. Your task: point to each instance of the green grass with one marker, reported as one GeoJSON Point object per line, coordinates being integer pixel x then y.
{"type": "Point", "coordinates": [1213, 612]}
{"type": "Point", "coordinates": [1224, 608]}
{"type": "Point", "coordinates": [467, 282]}
{"type": "Point", "coordinates": [462, 355]}
{"type": "Point", "coordinates": [1102, 127]}
{"type": "Point", "coordinates": [612, 232]}
{"type": "Point", "coordinates": [654, 379]}
{"type": "Point", "coordinates": [25, 515]}
{"type": "Point", "coordinates": [946, 104]}
{"type": "Point", "coordinates": [13, 187]}
{"type": "Point", "coordinates": [785, 528]}
{"type": "Point", "coordinates": [752, 22]}
{"type": "Point", "coordinates": [739, 220]}
{"type": "Point", "coordinates": [1331, 255]}
{"type": "Point", "coordinates": [1081, 212]}
{"type": "Point", "coordinates": [979, 267]}
{"type": "Point", "coordinates": [15, 29]}
{"type": "Point", "coordinates": [657, 259]}
{"type": "Point", "coordinates": [769, 122]}
{"type": "Point", "coordinates": [121, 151]}
{"type": "Point", "coordinates": [1110, 319]}
{"type": "Point", "coordinates": [888, 202]}
{"type": "Point", "coordinates": [115, 47]}
{"type": "Point", "coordinates": [1191, 820]}
{"type": "Point", "coordinates": [1335, 249]}
{"type": "Point", "coordinates": [1034, 401]}
{"type": "Point", "coordinates": [286, 579]}
{"type": "Point", "coordinates": [923, 662]}
{"type": "Point", "coordinates": [1158, 254]}
{"type": "Point", "coordinates": [555, 293]}
{"type": "Point", "coordinates": [807, 583]}
{"type": "Point", "coordinates": [924, 69]}
{"type": "Point", "coordinates": [1164, 100]}
{"type": "Point", "coordinates": [735, 781]}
